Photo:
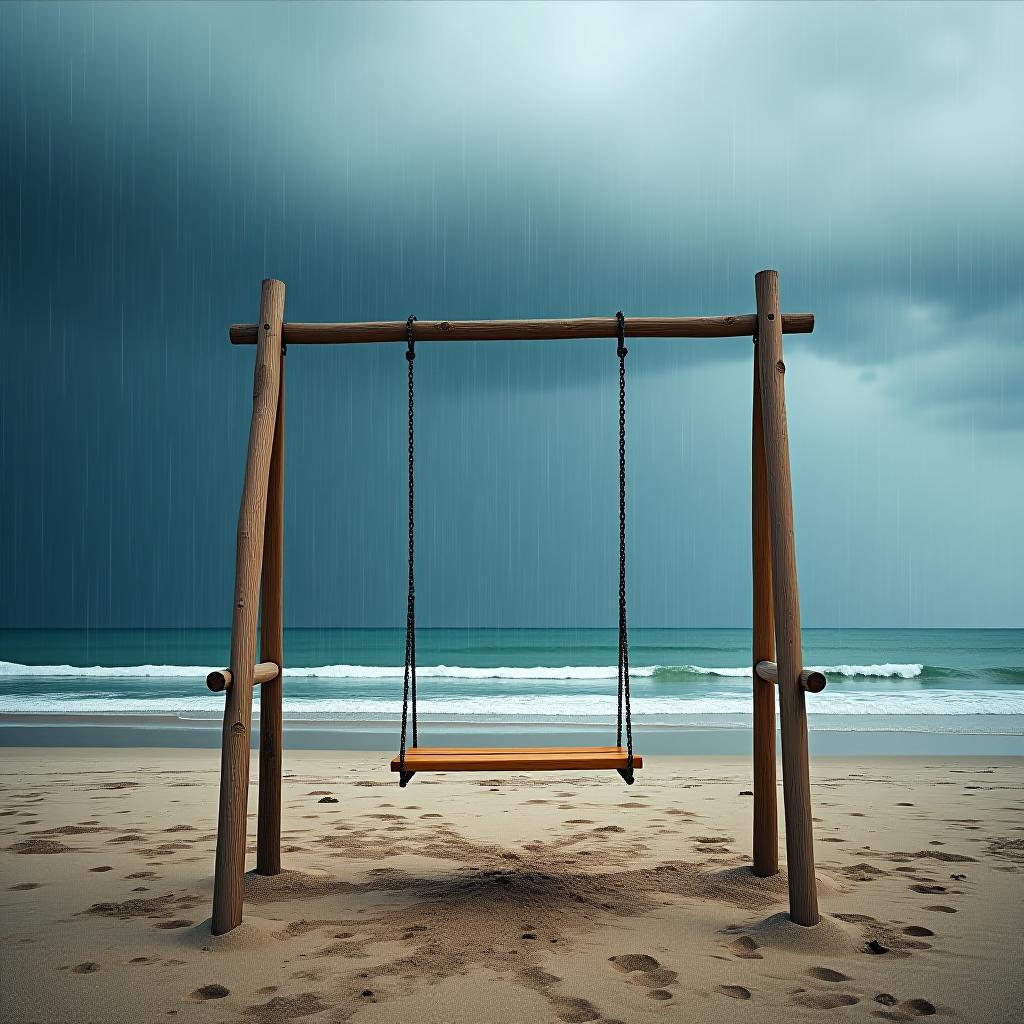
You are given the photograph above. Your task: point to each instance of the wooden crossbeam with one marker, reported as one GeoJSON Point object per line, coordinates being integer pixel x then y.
{"type": "Point", "coordinates": [742, 326]}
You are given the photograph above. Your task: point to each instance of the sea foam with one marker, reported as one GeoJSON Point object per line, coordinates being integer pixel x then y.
{"type": "Point", "coordinates": [532, 706]}
{"type": "Point", "coordinates": [663, 673]}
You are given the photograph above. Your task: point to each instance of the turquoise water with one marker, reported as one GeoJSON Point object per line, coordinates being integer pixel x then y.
{"type": "Point", "coordinates": [961, 681]}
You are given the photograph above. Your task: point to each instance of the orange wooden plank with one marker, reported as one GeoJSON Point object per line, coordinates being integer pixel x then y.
{"type": "Point", "coordinates": [499, 751]}
{"type": "Point", "coordinates": [440, 759]}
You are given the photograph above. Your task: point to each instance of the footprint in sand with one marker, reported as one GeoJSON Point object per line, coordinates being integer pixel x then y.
{"type": "Point", "coordinates": [733, 991]}
{"type": "Point", "coordinates": [929, 890]}
{"type": "Point", "coordinates": [745, 948]}
{"type": "Point", "coordinates": [917, 930]}
{"type": "Point", "coordinates": [282, 1008]}
{"type": "Point", "coordinates": [915, 1008]}
{"type": "Point", "coordinates": [573, 1010]}
{"type": "Point", "coordinates": [213, 991]}
{"type": "Point", "coordinates": [89, 967]}
{"type": "Point", "coordinates": [941, 909]}
{"type": "Point", "coordinates": [827, 974]}
{"type": "Point", "coordinates": [824, 1000]}
{"type": "Point", "coordinates": [176, 923]}
{"type": "Point", "coordinates": [102, 867]}
{"type": "Point", "coordinates": [24, 886]}
{"type": "Point", "coordinates": [40, 846]}
{"type": "Point", "coordinates": [646, 972]}
{"type": "Point", "coordinates": [629, 962]}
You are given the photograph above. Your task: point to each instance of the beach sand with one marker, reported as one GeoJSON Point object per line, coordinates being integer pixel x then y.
{"type": "Point", "coordinates": [467, 899]}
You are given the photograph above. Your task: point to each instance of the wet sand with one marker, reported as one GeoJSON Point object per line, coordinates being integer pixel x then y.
{"type": "Point", "coordinates": [852, 736]}
{"type": "Point", "coordinates": [542, 898]}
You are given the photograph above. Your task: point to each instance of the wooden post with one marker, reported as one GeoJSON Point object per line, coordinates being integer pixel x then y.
{"type": "Point", "coordinates": [796, 787]}
{"type": "Point", "coordinates": [268, 826]}
{"type": "Point", "coordinates": [229, 870]}
{"type": "Point", "coordinates": [766, 824]}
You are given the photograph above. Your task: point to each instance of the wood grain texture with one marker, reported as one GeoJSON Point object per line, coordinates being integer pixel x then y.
{"type": "Point", "coordinates": [268, 821]}
{"type": "Point", "coordinates": [766, 816]}
{"type": "Point", "coordinates": [796, 787]}
{"type": "Point", "coordinates": [512, 759]}
{"type": "Point", "coordinates": [739, 326]}
{"type": "Point", "coordinates": [220, 678]}
{"type": "Point", "coordinates": [234, 772]}
{"type": "Point", "coordinates": [811, 680]}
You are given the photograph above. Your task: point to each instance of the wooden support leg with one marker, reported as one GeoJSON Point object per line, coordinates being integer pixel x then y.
{"type": "Point", "coordinates": [796, 787]}
{"type": "Point", "coordinates": [268, 827]}
{"type": "Point", "coordinates": [229, 867]}
{"type": "Point", "coordinates": [766, 825]}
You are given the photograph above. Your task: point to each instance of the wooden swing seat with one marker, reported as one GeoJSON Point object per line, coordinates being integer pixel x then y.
{"type": "Point", "coordinates": [515, 759]}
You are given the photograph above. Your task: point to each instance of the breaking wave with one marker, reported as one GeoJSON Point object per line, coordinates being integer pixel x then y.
{"type": "Point", "coordinates": [658, 673]}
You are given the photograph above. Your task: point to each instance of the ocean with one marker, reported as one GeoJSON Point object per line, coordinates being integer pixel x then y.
{"type": "Point", "coordinates": [964, 685]}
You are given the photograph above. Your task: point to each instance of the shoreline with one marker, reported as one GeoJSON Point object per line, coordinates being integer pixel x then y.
{"type": "Point", "coordinates": [662, 739]}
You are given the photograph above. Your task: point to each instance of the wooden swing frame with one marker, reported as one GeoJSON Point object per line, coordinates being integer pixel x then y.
{"type": "Point", "coordinates": [259, 565]}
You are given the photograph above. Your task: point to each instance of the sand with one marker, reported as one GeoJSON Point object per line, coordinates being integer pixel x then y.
{"type": "Point", "coordinates": [465, 899]}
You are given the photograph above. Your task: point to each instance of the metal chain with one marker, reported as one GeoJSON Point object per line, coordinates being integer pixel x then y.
{"type": "Point", "coordinates": [623, 672]}
{"type": "Point", "coordinates": [409, 675]}
{"type": "Point", "coordinates": [409, 680]}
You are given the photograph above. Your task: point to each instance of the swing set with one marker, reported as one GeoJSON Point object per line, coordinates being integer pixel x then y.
{"type": "Point", "coordinates": [259, 575]}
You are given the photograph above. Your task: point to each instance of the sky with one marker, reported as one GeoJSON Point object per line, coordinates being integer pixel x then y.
{"type": "Point", "coordinates": [497, 161]}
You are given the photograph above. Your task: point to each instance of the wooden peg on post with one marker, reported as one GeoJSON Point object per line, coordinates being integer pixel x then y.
{"type": "Point", "coordinates": [229, 870]}
{"type": "Point", "coordinates": [766, 824]}
{"type": "Point", "coordinates": [796, 786]}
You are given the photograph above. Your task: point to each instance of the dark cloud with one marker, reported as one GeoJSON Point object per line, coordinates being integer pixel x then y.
{"type": "Point", "coordinates": [474, 161]}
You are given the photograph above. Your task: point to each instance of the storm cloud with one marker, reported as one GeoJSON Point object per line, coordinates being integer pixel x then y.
{"type": "Point", "coordinates": [502, 160]}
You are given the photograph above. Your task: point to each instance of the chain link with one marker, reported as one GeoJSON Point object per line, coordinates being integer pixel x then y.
{"type": "Point", "coordinates": [409, 679]}
{"type": "Point", "coordinates": [623, 671]}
